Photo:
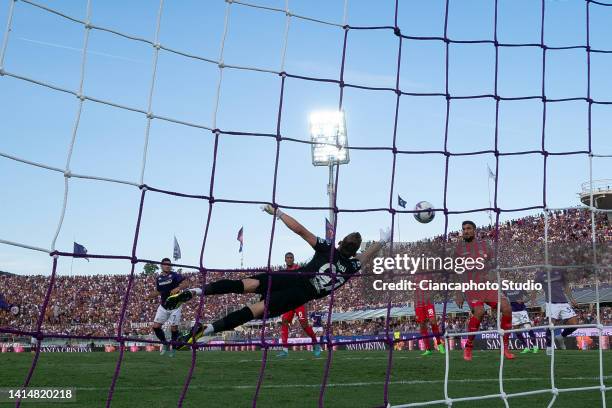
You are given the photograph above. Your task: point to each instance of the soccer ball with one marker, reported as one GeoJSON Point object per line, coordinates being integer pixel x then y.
{"type": "Point", "coordinates": [426, 214]}
{"type": "Point", "coordinates": [14, 310]}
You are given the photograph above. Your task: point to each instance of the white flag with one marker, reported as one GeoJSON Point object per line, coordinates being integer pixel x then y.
{"type": "Point", "coordinates": [177, 250]}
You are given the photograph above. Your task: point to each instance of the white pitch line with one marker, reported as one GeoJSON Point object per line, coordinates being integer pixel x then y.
{"type": "Point", "coordinates": [288, 360]}
{"type": "Point", "coordinates": [338, 385]}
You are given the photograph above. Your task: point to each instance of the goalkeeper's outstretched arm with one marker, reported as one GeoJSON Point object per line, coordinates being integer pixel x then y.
{"type": "Point", "coordinates": [292, 224]}
{"type": "Point", "coordinates": [366, 256]}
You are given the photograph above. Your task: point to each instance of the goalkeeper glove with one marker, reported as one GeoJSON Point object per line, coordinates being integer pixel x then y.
{"type": "Point", "coordinates": [270, 210]}
{"type": "Point", "coordinates": [385, 235]}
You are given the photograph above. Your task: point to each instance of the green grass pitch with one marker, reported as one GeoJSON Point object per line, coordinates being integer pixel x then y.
{"type": "Point", "coordinates": [228, 379]}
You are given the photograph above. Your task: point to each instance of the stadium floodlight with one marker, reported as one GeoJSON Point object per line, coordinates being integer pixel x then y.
{"type": "Point", "coordinates": [328, 137]}
{"type": "Point", "coordinates": [329, 146]}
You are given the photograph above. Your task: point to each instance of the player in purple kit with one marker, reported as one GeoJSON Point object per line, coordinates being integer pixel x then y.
{"type": "Point", "coordinates": [520, 318]}
{"type": "Point", "coordinates": [559, 303]}
{"type": "Point", "coordinates": [168, 283]}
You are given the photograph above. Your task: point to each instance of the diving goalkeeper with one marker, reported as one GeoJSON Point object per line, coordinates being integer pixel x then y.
{"type": "Point", "coordinates": [287, 291]}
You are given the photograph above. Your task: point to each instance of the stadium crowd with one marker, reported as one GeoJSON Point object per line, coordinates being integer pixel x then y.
{"type": "Point", "coordinates": [91, 305]}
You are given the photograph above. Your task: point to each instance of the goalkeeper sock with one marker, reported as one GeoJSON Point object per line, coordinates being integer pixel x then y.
{"type": "Point", "coordinates": [223, 286]}
{"type": "Point", "coordinates": [197, 291]}
{"type": "Point", "coordinates": [566, 332]}
{"type": "Point", "coordinates": [174, 335]}
{"type": "Point", "coordinates": [160, 334]}
{"type": "Point", "coordinates": [233, 320]}
{"type": "Point", "coordinates": [284, 334]}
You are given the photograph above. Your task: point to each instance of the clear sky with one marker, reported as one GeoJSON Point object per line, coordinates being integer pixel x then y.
{"type": "Point", "coordinates": [36, 122]}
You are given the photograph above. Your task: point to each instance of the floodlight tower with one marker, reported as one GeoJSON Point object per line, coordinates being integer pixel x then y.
{"type": "Point", "coordinates": [329, 146]}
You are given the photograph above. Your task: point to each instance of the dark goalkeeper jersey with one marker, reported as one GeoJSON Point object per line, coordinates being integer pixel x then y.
{"type": "Point", "coordinates": [343, 267]}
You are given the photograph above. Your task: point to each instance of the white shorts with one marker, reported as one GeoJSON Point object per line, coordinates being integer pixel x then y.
{"type": "Point", "coordinates": [520, 318]}
{"type": "Point", "coordinates": [171, 316]}
{"type": "Point", "coordinates": [559, 311]}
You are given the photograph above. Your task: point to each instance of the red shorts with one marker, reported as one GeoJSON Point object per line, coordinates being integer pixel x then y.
{"type": "Point", "coordinates": [424, 312]}
{"type": "Point", "coordinates": [300, 311]}
{"type": "Point", "coordinates": [476, 303]}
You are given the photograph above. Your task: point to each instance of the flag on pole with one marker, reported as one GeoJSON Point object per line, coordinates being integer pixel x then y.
{"type": "Point", "coordinates": [401, 202]}
{"type": "Point", "coordinates": [177, 250]}
{"type": "Point", "coordinates": [329, 231]}
{"type": "Point", "coordinates": [79, 249]}
{"type": "Point", "coordinates": [491, 174]}
{"type": "Point", "coordinates": [240, 238]}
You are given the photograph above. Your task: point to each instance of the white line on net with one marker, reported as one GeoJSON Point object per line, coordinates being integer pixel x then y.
{"type": "Point", "coordinates": [17, 244]}
{"type": "Point", "coordinates": [67, 174]}
{"type": "Point", "coordinates": [598, 316]}
{"type": "Point", "coordinates": [74, 128]}
{"type": "Point", "coordinates": [550, 322]}
{"type": "Point", "coordinates": [156, 44]}
{"type": "Point", "coordinates": [286, 11]}
{"type": "Point", "coordinates": [151, 90]}
{"type": "Point", "coordinates": [286, 36]}
{"type": "Point", "coordinates": [102, 101]}
{"type": "Point", "coordinates": [554, 391]}
{"type": "Point", "coordinates": [7, 31]}
{"type": "Point", "coordinates": [221, 65]}
{"type": "Point", "coordinates": [152, 43]}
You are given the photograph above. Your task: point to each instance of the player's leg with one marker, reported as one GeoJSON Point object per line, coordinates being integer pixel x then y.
{"type": "Point", "coordinates": [286, 320]}
{"type": "Point", "coordinates": [473, 325]}
{"type": "Point", "coordinates": [517, 321]}
{"type": "Point", "coordinates": [234, 319]}
{"type": "Point", "coordinates": [435, 330]}
{"type": "Point", "coordinates": [530, 338]}
{"type": "Point", "coordinates": [534, 341]}
{"type": "Point", "coordinates": [421, 318]}
{"type": "Point", "coordinates": [527, 337]}
{"type": "Point", "coordinates": [523, 337]}
{"type": "Point", "coordinates": [280, 301]}
{"type": "Point", "coordinates": [303, 319]}
{"type": "Point", "coordinates": [571, 320]}
{"type": "Point", "coordinates": [174, 320]}
{"type": "Point", "coordinates": [253, 284]}
{"type": "Point", "coordinates": [506, 324]}
{"type": "Point", "coordinates": [239, 286]}
{"type": "Point", "coordinates": [161, 316]}
{"type": "Point", "coordinates": [549, 343]}
{"type": "Point", "coordinates": [174, 333]}
{"type": "Point", "coordinates": [553, 311]}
